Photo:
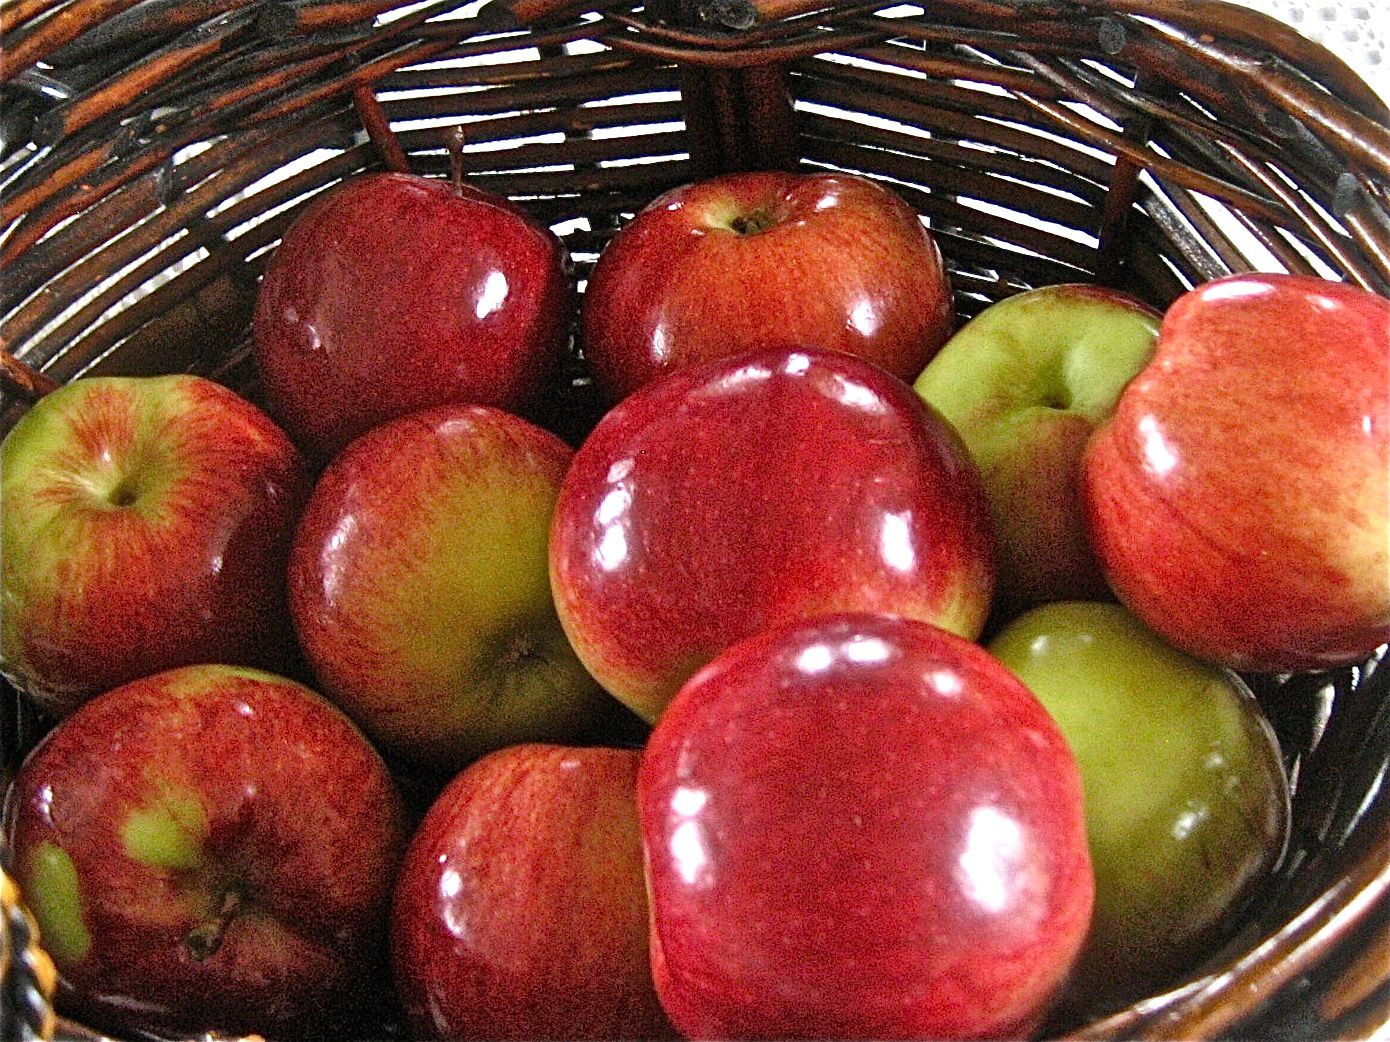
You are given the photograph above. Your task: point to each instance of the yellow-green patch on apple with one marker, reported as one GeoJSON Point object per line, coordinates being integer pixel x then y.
{"type": "Point", "coordinates": [167, 833]}
{"type": "Point", "coordinates": [55, 895]}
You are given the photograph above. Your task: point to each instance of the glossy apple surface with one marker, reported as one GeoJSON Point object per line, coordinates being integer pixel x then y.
{"type": "Point", "coordinates": [207, 848]}
{"type": "Point", "coordinates": [748, 261]}
{"type": "Point", "coordinates": [1186, 799]}
{"type": "Point", "coordinates": [1239, 500]}
{"type": "Point", "coordinates": [1025, 383]}
{"type": "Point", "coordinates": [750, 491]}
{"type": "Point", "coordinates": [521, 910]}
{"type": "Point", "coordinates": [146, 525]}
{"type": "Point", "coordinates": [419, 586]}
{"type": "Point", "coordinates": [861, 826]}
{"type": "Point", "coordinates": [394, 293]}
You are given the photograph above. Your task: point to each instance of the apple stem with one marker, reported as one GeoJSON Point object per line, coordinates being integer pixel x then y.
{"type": "Point", "coordinates": [21, 381]}
{"type": "Point", "coordinates": [455, 144]}
{"type": "Point", "coordinates": [204, 939]}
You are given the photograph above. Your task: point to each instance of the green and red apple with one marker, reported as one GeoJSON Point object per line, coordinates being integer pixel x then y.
{"type": "Point", "coordinates": [419, 587]}
{"type": "Point", "coordinates": [146, 525]}
{"type": "Point", "coordinates": [208, 849]}
{"type": "Point", "coordinates": [1025, 383]}
{"type": "Point", "coordinates": [1239, 500]}
{"type": "Point", "coordinates": [1186, 800]}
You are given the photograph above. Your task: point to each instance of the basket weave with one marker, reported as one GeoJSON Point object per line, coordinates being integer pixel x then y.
{"type": "Point", "coordinates": [153, 153]}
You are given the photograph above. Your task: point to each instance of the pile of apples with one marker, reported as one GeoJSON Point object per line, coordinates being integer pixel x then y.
{"type": "Point", "coordinates": [342, 693]}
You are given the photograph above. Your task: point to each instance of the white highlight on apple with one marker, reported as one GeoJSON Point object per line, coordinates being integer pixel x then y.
{"type": "Point", "coordinates": [944, 682]}
{"type": "Point", "coordinates": [855, 394]}
{"type": "Point", "coordinates": [688, 802]}
{"type": "Point", "coordinates": [612, 548]}
{"type": "Point", "coordinates": [687, 847]}
{"type": "Point", "coordinates": [864, 318]}
{"type": "Point", "coordinates": [867, 649]}
{"type": "Point", "coordinates": [815, 659]}
{"type": "Point", "coordinates": [493, 295]}
{"type": "Point", "coordinates": [797, 364]}
{"type": "Point", "coordinates": [1159, 458]}
{"type": "Point", "coordinates": [895, 540]}
{"type": "Point", "coordinates": [993, 848]}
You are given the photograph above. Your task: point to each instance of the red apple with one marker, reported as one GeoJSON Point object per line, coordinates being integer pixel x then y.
{"type": "Point", "coordinates": [749, 491]}
{"type": "Point", "coordinates": [207, 848]}
{"type": "Point", "coordinates": [749, 261]}
{"type": "Point", "coordinates": [146, 525]}
{"type": "Point", "coordinates": [419, 587]}
{"type": "Point", "coordinates": [861, 826]}
{"type": "Point", "coordinates": [521, 911]}
{"type": "Point", "coordinates": [1239, 501]}
{"type": "Point", "coordinates": [396, 292]}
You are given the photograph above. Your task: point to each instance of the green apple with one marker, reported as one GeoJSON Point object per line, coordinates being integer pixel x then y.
{"type": "Point", "coordinates": [419, 587]}
{"type": "Point", "coordinates": [1025, 383]}
{"type": "Point", "coordinates": [1186, 800]}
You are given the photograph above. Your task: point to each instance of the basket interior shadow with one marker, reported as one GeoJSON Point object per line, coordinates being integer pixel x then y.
{"type": "Point", "coordinates": [153, 154]}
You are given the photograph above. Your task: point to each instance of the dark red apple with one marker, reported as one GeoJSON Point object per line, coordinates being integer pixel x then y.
{"type": "Point", "coordinates": [749, 491]}
{"type": "Point", "coordinates": [207, 848]}
{"type": "Point", "coordinates": [759, 260]}
{"type": "Point", "coordinates": [861, 826]}
{"type": "Point", "coordinates": [147, 521]}
{"type": "Point", "coordinates": [1239, 501]}
{"type": "Point", "coordinates": [520, 911]}
{"type": "Point", "coordinates": [396, 292]}
{"type": "Point", "coordinates": [420, 590]}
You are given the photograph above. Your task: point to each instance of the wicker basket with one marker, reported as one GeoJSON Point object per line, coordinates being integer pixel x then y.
{"type": "Point", "coordinates": [154, 152]}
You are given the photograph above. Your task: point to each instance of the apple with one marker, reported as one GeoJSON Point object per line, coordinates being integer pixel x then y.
{"type": "Point", "coordinates": [419, 587]}
{"type": "Point", "coordinates": [1187, 804]}
{"type": "Point", "coordinates": [521, 911]}
{"type": "Point", "coordinates": [146, 525]}
{"type": "Point", "coordinates": [395, 292]}
{"type": "Point", "coordinates": [1239, 499]}
{"type": "Point", "coordinates": [1025, 383]}
{"type": "Point", "coordinates": [748, 491]}
{"type": "Point", "coordinates": [759, 260]}
{"type": "Point", "coordinates": [861, 826]}
{"type": "Point", "coordinates": [209, 848]}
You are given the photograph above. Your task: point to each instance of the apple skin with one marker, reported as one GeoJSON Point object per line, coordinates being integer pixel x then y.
{"type": "Point", "coordinates": [419, 587]}
{"type": "Point", "coordinates": [208, 848]}
{"type": "Point", "coordinates": [1239, 500]}
{"type": "Point", "coordinates": [861, 826]}
{"type": "Point", "coordinates": [748, 491]}
{"type": "Point", "coordinates": [520, 911]}
{"type": "Point", "coordinates": [146, 525]}
{"type": "Point", "coordinates": [1025, 383]}
{"type": "Point", "coordinates": [394, 293]}
{"type": "Point", "coordinates": [1187, 805]}
{"type": "Point", "coordinates": [836, 261]}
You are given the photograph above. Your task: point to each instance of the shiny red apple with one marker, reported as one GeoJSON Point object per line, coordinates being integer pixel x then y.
{"type": "Point", "coordinates": [520, 911]}
{"type": "Point", "coordinates": [753, 490]}
{"type": "Point", "coordinates": [420, 589]}
{"type": "Point", "coordinates": [758, 260]}
{"type": "Point", "coordinates": [147, 521]}
{"type": "Point", "coordinates": [1239, 500]}
{"type": "Point", "coordinates": [861, 826]}
{"type": "Point", "coordinates": [210, 848]}
{"type": "Point", "coordinates": [396, 292]}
